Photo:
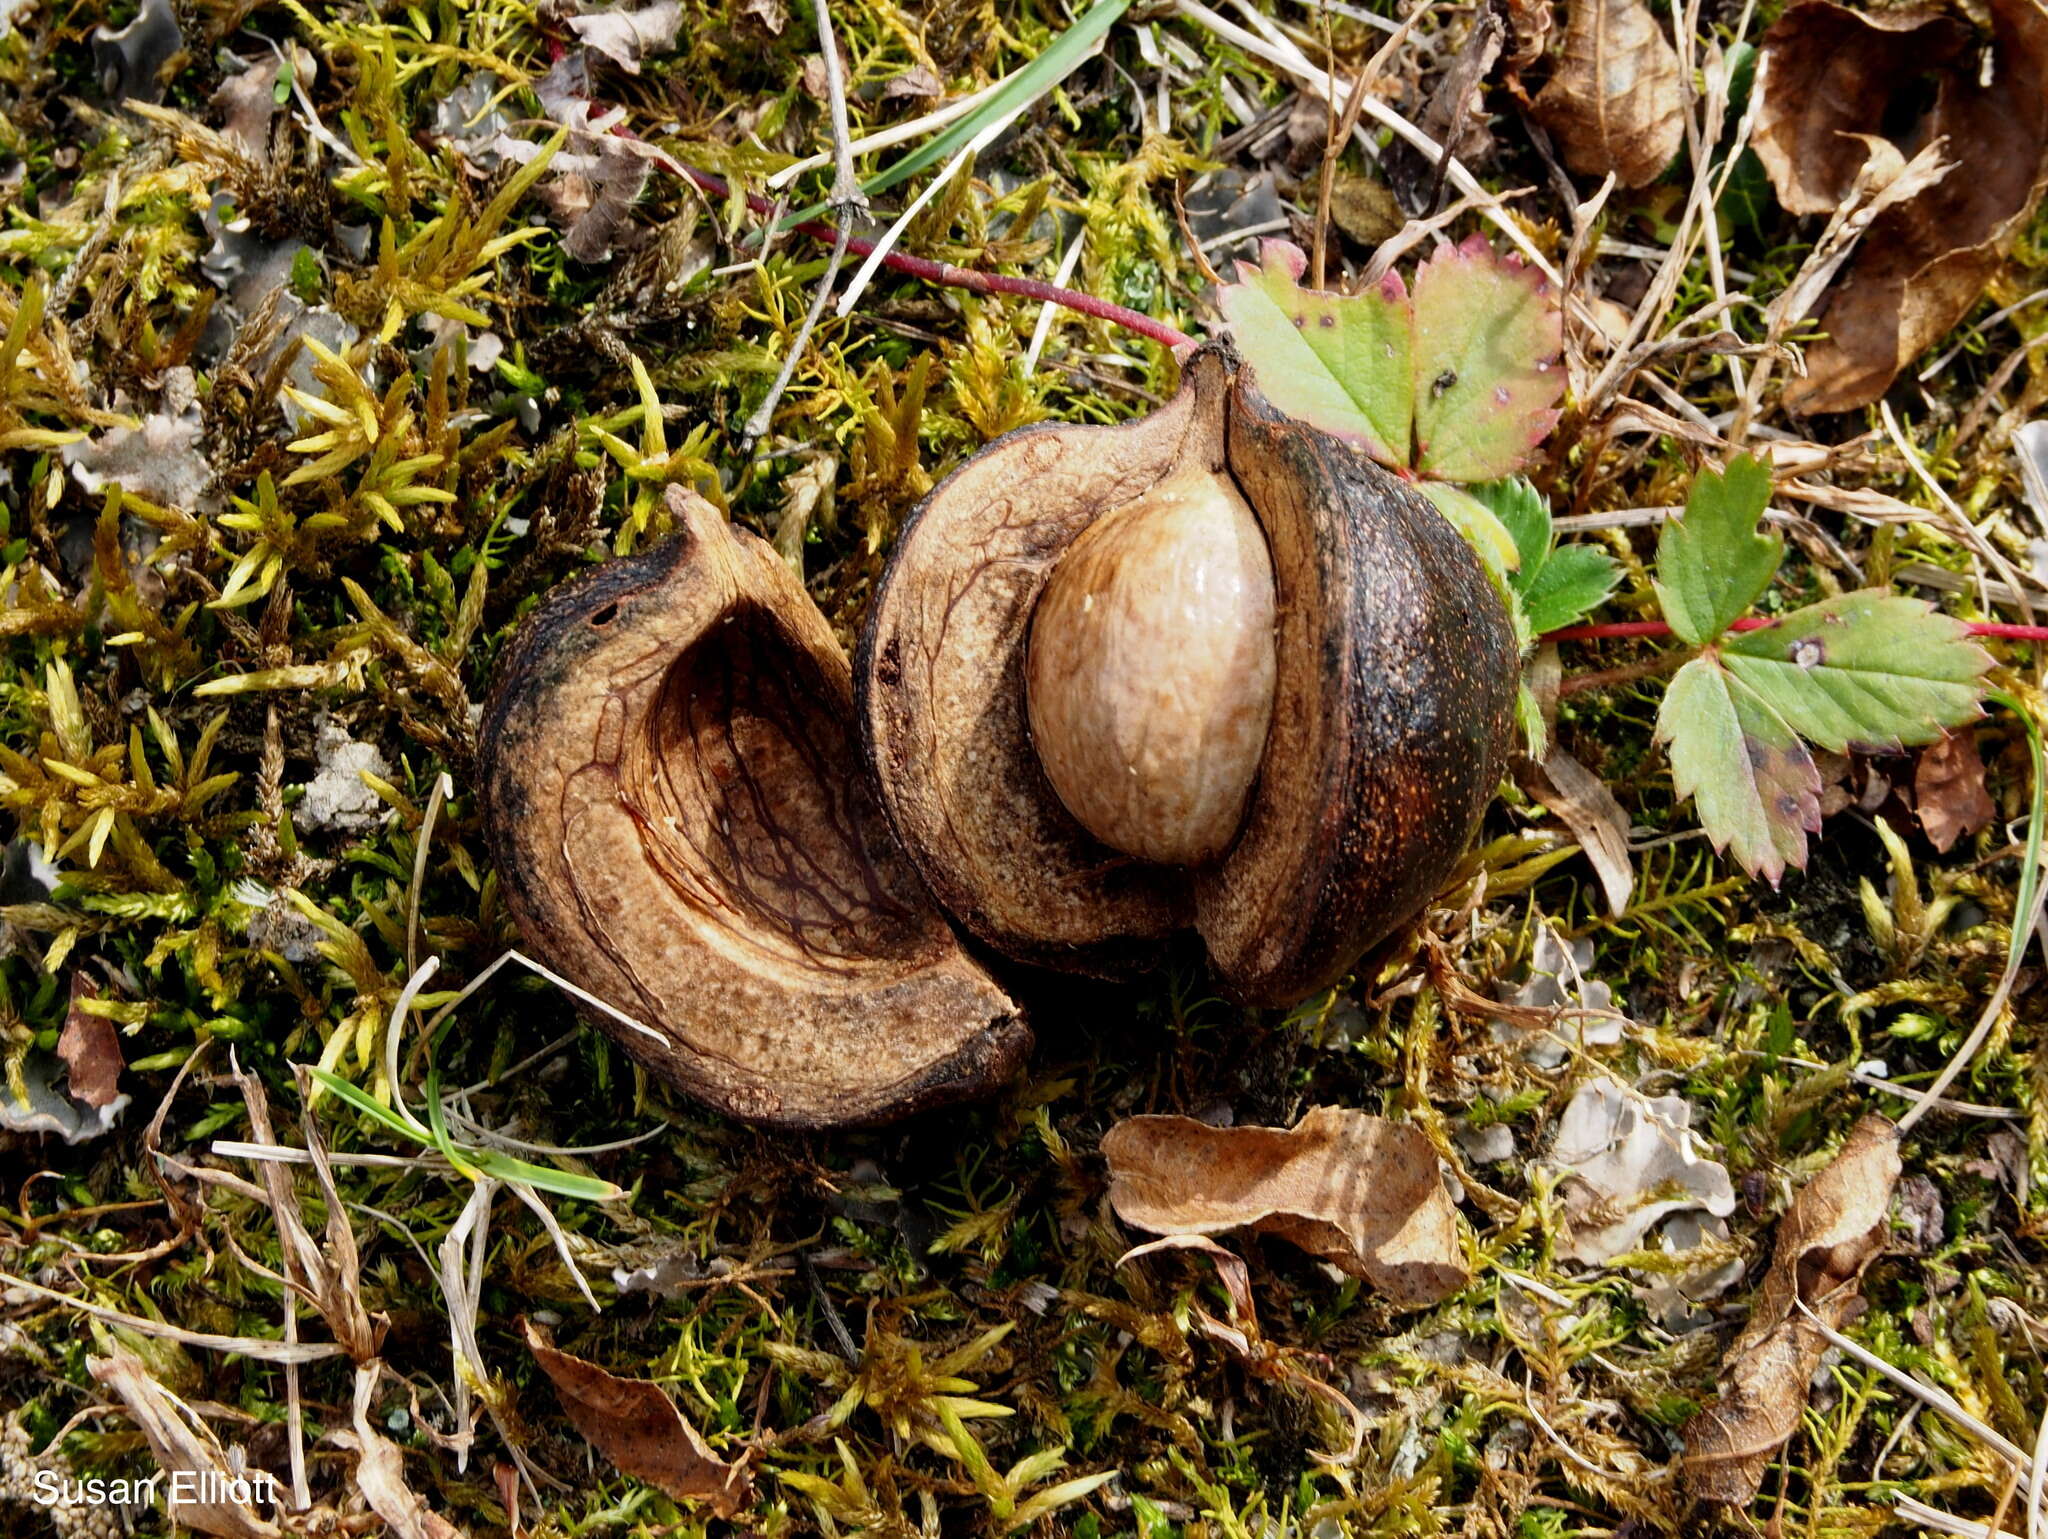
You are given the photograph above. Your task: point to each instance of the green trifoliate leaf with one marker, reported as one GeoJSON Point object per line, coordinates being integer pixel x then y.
{"type": "Point", "coordinates": [1711, 561]}
{"type": "Point", "coordinates": [1555, 584]}
{"type": "Point", "coordinates": [1491, 543]}
{"type": "Point", "coordinates": [1756, 786]}
{"type": "Point", "coordinates": [1490, 539]}
{"type": "Point", "coordinates": [1457, 383]}
{"type": "Point", "coordinates": [1865, 670]}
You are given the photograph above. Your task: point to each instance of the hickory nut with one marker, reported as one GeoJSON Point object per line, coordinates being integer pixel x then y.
{"type": "Point", "coordinates": [1211, 671]}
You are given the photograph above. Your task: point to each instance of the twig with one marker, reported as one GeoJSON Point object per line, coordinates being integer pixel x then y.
{"type": "Point", "coordinates": [1614, 629]}
{"type": "Point", "coordinates": [890, 137]}
{"type": "Point", "coordinates": [1982, 326]}
{"type": "Point", "coordinates": [949, 276]}
{"type": "Point", "coordinates": [2031, 893]}
{"type": "Point", "coordinates": [830, 1310]}
{"type": "Point", "coordinates": [1276, 49]}
{"type": "Point", "coordinates": [444, 787]}
{"type": "Point", "coordinates": [1343, 127]}
{"type": "Point", "coordinates": [246, 1346]}
{"type": "Point", "coordinates": [1929, 1395]}
{"type": "Point", "coordinates": [1972, 538]}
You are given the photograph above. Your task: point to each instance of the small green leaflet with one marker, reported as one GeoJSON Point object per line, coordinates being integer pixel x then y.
{"type": "Point", "coordinates": [1346, 364]}
{"type": "Point", "coordinates": [1556, 584]}
{"type": "Point", "coordinates": [1864, 670]}
{"type": "Point", "coordinates": [1457, 382]}
{"type": "Point", "coordinates": [1756, 785]}
{"type": "Point", "coordinates": [1487, 377]}
{"type": "Point", "coordinates": [1489, 538]}
{"type": "Point", "coordinates": [1711, 562]}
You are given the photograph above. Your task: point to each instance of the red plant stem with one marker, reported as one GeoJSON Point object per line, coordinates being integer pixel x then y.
{"type": "Point", "coordinates": [1618, 628]}
{"type": "Point", "coordinates": [968, 278]}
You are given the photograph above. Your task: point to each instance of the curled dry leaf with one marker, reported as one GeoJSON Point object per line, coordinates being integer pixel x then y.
{"type": "Point", "coordinates": [183, 1444]}
{"type": "Point", "coordinates": [1834, 75]}
{"type": "Point", "coordinates": [1948, 789]}
{"type": "Point", "coordinates": [1614, 102]}
{"type": "Point", "coordinates": [1357, 1191]}
{"type": "Point", "coordinates": [1581, 799]}
{"type": "Point", "coordinates": [626, 35]}
{"type": "Point", "coordinates": [91, 1047]}
{"type": "Point", "coordinates": [1833, 1230]}
{"type": "Point", "coordinates": [633, 1423]}
{"type": "Point", "coordinates": [1630, 1162]}
{"type": "Point", "coordinates": [380, 1473]}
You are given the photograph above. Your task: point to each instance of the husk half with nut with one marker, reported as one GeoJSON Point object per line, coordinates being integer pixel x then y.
{"type": "Point", "coordinates": [1211, 671]}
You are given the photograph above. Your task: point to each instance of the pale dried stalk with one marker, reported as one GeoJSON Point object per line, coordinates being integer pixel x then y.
{"type": "Point", "coordinates": [888, 138]}
{"type": "Point", "coordinates": [248, 1346]}
{"type": "Point", "coordinates": [1692, 224]}
{"type": "Point", "coordinates": [847, 200]}
{"type": "Point", "coordinates": [1958, 522]}
{"type": "Point", "coordinates": [1277, 49]}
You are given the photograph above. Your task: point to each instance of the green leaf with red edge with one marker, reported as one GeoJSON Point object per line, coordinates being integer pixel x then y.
{"type": "Point", "coordinates": [1456, 383]}
{"type": "Point", "coordinates": [1864, 670]}
{"type": "Point", "coordinates": [1487, 376]}
{"type": "Point", "coordinates": [1711, 561]}
{"type": "Point", "coordinates": [1756, 786]}
{"type": "Point", "coordinates": [1342, 362]}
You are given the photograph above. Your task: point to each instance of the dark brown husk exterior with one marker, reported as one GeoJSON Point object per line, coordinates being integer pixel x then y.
{"type": "Point", "coordinates": [676, 809]}
{"type": "Point", "coordinates": [1392, 722]}
{"type": "Point", "coordinates": [1391, 725]}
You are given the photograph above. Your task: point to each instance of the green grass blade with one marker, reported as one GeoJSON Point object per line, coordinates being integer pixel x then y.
{"type": "Point", "coordinates": [437, 1120]}
{"type": "Point", "coordinates": [2030, 872]}
{"type": "Point", "coordinates": [545, 1178]}
{"type": "Point", "coordinates": [365, 1103]}
{"type": "Point", "coordinates": [472, 1162]}
{"type": "Point", "coordinates": [1062, 56]}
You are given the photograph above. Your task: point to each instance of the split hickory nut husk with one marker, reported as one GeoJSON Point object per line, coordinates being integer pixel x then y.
{"type": "Point", "coordinates": [1211, 671]}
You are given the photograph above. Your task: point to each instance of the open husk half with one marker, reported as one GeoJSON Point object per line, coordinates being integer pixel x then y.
{"type": "Point", "coordinates": [679, 817]}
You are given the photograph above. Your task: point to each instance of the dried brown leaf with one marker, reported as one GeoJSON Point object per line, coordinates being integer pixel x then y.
{"type": "Point", "coordinates": [1833, 75]}
{"type": "Point", "coordinates": [1613, 103]}
{"type": "Point", "coordinates": [182, 1444]}
{"type": "Point", "coordinates": [1948, 789]}
{"type": "Point", "coordinates": [626, 35]}
{"type": "Point", "coordinates": [91, 1047]}
{"type": "Point", "coordinates": [1357, 1191]}
{"type": "Point", "coordinates": [1581, 799]}
{"type": "Point", "coordinates": [770, 14]}
{"type": "Point", "coordinates": [1834, 1228]}
{"type": "Point", "coordinates": [1529, 26]}
{"type": "Point", "coordinates": [633, 1423]}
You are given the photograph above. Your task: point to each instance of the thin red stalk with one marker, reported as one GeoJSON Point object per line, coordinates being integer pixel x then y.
{"type": "Point", "coordinates": [1618, 628]}
{"type": "Point", "coordinates": [968, 278]}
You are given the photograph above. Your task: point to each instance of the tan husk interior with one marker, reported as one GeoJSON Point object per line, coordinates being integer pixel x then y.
{"type": "Point", "coordinates": [942, 688]}
{"type": "Point", "coordinates": [678, 811]}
